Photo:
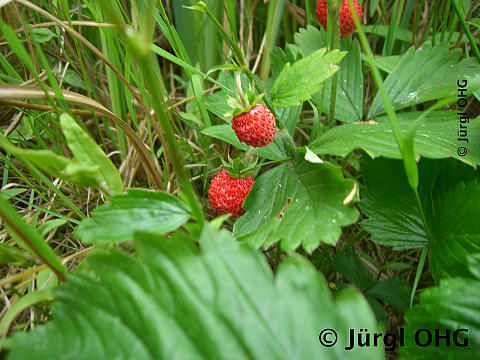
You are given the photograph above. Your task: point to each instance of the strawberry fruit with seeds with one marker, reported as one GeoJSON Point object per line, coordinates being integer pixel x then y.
{"type": "Point", "coordinates": [347, 26]}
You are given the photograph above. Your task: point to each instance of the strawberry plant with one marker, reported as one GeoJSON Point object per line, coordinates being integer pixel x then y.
{"type": "Point", "coordinates": [239, 179]}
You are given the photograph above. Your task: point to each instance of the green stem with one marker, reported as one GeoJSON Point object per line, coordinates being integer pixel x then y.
{"type": "Point", "coordinates": [155, 84]}
{"type": "Point", "coordinates": [418, 274]}
{"type": "Point", "coordinates": [466, 29]}
{"type": "Point", "coordinates": [233, 45]}
{"type": "Point", "coordinates": [267, 163]}
{"type": "Point", "coordinates": [334, 9]}
{"type": "Point", "coordinates": [239, 57]}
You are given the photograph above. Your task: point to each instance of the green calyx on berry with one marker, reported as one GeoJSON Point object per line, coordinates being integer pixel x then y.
{"type": "Point", "coordinates": [239, 106]}
{"type": "Point", "coordinates": [242, 103]}
{"type": "Point", "coordinates": [242, 166]}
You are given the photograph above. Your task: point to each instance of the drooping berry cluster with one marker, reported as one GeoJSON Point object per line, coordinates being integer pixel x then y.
{"type": "Point", "coordinates": [347, 26]}
{"type": "Point", "coordinates": [255, 127]}
{"type": "Point", "coordinates": [227, 194]}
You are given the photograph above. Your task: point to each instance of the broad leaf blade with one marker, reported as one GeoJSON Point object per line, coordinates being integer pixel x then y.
{"type": "Point", "coordinates": [450, 195]}
{"type": "Point", "coordinates": [457, 230]}
{"type": "Point", "coordinates": [171, 302]}
{"type": "Point", "coordinates": [308, 196]}
{"type": "Point", "coordinates": [89, 153]}
{"type": "Point", "coordinates": [390, 204]}
{"type": "Point", "coordinates": [298, 82]}
{"type": "Point", "coordinates": [452, 305]}
{"type": "Point", "coordinates": [436, 138]}
{"type": "Point", "coordinates": [350, 87]}
{"type": "Point", "coordinates": [432, 74]}
{"type": "Point", "coordinates": [138, 210]}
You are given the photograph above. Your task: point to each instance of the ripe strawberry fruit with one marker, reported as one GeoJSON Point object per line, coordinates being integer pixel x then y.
{"type": "Point", "coordinates": [227, 194]}
{"type": "Point", "coordinates": [255, 127]}
{"type": "Point", "coordinates": [347, 26]}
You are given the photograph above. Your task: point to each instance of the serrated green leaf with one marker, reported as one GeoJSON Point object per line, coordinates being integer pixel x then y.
{"type": "Point", "coordinates": [434, 72]}
{"type": "Point", "coordinates": [172, 302]}
{"type": "Point", "coordinates": [436, 138]}
{"type": "Point", "coordinates": [137, 210]}
{"type": "Point", "coordinates": [298, 82]}
{"type": "Point", "coordinates": [273, 151]}
{"type": "Point", "coordinates": [350, 87]}
{"type": "Point", "coordinates": [349, 265]}
{"type": "Point", "coordinates": [90, 154]}
{"type": "Point", "coordinates": [450, 195]}
{"type": "Point", "coordinates": [309, 197]}
{"type": "Point", "coordinates": [310, 39]}
{"type": "Point", "coordinates": [452, 305]}
{"type": "Point", "coordinates": [394, 290]}
{"type": "Point", "coordinates": [457, 228]}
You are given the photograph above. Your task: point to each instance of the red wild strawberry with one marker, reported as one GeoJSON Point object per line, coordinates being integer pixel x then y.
{"type": "Point", "coordinates": [227, 194]}
{"type": "Point", "coordinates": [347, 26]}
{"type": "Point", "coordinates": [255, 127]}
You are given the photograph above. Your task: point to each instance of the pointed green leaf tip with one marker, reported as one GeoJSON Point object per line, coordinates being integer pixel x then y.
{"type": "Point", "coordinates": [298, 82]}
{"type": "Point", "coordinates": [137, 210]}
{"type": "Point", "coordinates": [199, 6]}
{"type": "Point", "coordinates": [88, 153]}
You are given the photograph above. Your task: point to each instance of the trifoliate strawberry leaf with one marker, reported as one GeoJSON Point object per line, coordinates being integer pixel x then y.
{"type": "Point", "coordinates": [450, 195]}
{"type": "Point", "coordinates": [172, 301]}
{"type": "Point", "coordinates": [310, 198]}
{"type": "Point", "coordinates": [450, 306]}
{"type": "Point", "coordinates": [436, 138]}
{"type": "Point", "coordinates": [299, 81]}
{"type": "Point", "coordinates": [349, 100]}
{"type": "Point", "coordinates": [433, 74]}
{"type": "Point", "coordinates": [137, 210]}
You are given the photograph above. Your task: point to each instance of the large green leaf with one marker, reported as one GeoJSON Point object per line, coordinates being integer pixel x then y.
{"type": "Point", "coordinates": [138, 210]}
{"type": "Point", "coordinates": [89, 153]}
{"type": "Point", "coordinates": [350, 87]}
{"type": "Point", "coordinates": [309, 197]}
{"type": "Point", "coordinates": [425, 74]}
{"type": "Point", "coordinates": [298, 82]}
{"type": "Point", "coordinates": [172, 302]}
{"type": "Point", "coordinates": [436, 138]}
{"type": "Point", "coordinates": [452, 305]}
{"type": "Point", "coordinates": [457, 229]}
{"type": "Point", "coordinates": [450, 195]}
{"type": "Point", "coordinates": [390, 204]}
